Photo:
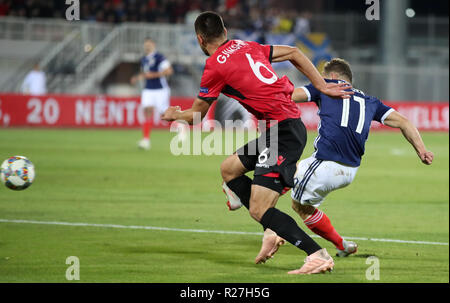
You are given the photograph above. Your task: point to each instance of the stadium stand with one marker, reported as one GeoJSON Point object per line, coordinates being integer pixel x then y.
{"type": "Point", "coordinates": [90, 55]}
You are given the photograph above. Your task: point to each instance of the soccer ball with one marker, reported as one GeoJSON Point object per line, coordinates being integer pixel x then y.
{"type": "Point", "coordinates": [17, 172]}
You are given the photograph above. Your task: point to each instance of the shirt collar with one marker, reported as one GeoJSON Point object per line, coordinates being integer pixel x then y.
{"type": "Point", "coordinates": [221, 46]}
{"type": "Point", "coordinates": [151, 54]}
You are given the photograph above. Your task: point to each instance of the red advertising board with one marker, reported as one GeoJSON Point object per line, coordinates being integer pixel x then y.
{"type": "Point", "coordinates": [75, 111]}
{"type": "Point", "coordinates": [107, 111]}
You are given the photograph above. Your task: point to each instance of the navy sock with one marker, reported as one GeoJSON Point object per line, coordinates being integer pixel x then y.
{"type": "Point", "coordinates": [287, 228]}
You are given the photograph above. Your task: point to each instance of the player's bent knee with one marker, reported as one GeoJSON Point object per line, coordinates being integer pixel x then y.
{"type": "Point", "coordinates": [255, 212]}
{"type": "Point", "coordinates": [303, 210]}
{"type": "Point", "coordinates": [231, 168]}
{"type": "Point", "coordinates": [226, 171]}
{"type": "Point", "coordinates": [296, 206]}
{"type": "Point", "coordinates": [148, 111]}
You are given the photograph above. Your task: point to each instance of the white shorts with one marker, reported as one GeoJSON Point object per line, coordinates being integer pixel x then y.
{"type": "Point", "coordinates": [315, 179]}
{"type": "Point", "coordinates": [159, 99]}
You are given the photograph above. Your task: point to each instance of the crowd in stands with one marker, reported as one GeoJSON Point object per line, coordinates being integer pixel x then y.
{"type": "Point", "coordinates": [252, 15]}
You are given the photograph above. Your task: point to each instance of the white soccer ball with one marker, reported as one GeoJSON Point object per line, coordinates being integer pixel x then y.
{"type": "Point", "coordinates": [17, 172]}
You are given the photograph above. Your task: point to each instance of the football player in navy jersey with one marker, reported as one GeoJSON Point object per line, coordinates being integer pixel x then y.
{"type": "Point", "coordinates": [156, 93]}
{"type": "Point", "coordinates": [342, 133]}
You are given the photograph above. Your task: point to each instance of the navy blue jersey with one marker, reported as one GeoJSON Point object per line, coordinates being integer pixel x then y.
{"type": "Point", "coordinates": [155, 62]}
{"type": "Point", "coordinates": [344, 124]}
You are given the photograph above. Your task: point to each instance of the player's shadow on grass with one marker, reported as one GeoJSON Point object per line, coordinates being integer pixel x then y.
{"type": "Point", "coordinates": [171, 250]}
{"type": "Point", "coordinates": [235, 253]}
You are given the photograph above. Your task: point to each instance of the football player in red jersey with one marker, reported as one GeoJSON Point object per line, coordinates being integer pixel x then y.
{"type": "Point", "coordinates": [242, 70]}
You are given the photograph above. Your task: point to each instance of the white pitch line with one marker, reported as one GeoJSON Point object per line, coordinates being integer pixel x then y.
{"type": "Point", "coordinates": [200, 230]}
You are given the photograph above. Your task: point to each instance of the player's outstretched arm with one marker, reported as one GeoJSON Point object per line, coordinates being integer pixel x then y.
{"type": "Point", "coordinates": [175, 113]}
{"type": "Point", "coordinates": [135, 79]}
{"type": "Point", "coordinates": [411, 134]}
{"type": "Point", "coordinates": [299, 95]}
{"type": "Point", "coordinates": [303, 64]}
{"type": "Point", "coordinates": [164, 73]}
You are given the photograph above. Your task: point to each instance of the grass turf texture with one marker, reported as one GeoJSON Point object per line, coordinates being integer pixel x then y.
{"type": "Point", "coordinates": [99, 176]}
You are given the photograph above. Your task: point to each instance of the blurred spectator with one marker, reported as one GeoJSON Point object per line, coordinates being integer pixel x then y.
{"type": "Point", "coordinates": [302, 26]}
{"type": "Point", "coordinates": [192, 13]}
{"type": "Point", "coordinates": [4, 7]}
{"type": "Point", "coordinates": [284, 24]}
{"type": "Point", "coordinates": [179, 10]}
{"type": "Point", "coordinates": [258, 16]}
{"type": "Point", "coordinates": [34, 82]}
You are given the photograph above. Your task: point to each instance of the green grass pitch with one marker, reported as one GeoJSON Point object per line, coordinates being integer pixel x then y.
{"type": "Point", "coordinates": [99, 176]}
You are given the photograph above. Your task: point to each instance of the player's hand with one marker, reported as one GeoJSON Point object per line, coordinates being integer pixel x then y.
{"type": "Point", "coordinates": [136, 78]}
{"type": "Point", "coordinates": [337, 90]}
{"type": "Point", "coordinates": [426, 157]}
{"type": "Point", "coordinates": [170, 113]}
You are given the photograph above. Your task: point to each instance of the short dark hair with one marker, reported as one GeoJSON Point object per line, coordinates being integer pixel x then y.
{"type": "Point", "coordinates": [339, 66]}
{"type": "Point", "coordinates": [210, 26]}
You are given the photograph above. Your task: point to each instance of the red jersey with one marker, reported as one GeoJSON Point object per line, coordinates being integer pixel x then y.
{"type": "Point", "coordinates": [242, 70]}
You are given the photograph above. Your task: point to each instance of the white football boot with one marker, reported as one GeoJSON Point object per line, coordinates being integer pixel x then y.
{"type": "Point", "coordinates": [144, 144]}
{"type": "Point", "coordinates": [350, 247]}
{"type": "Point", "coordinates": [233, 202]}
